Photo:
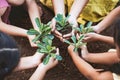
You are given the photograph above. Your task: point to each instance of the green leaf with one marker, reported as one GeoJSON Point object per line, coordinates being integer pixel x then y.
{"type": "Point", "coordinates": [43, 50]}
{"type": "Point", "coordinates": [53, 55]}
{"type": "Point", "coordinates": [50, 36]}
{"type": "Point", "coordinates": [48, 47]}
{"type": "Point", "coordinates": [46, 59]}
{"type": "Point", "coordinates": [68, 42]}
{"type": "Point", "coordinates": [37, 22]}
{"type": "Point", "coordinates": [38, 50]}
{"type": "Point", "coordinates": [58, 57]}
{"type": "Point", "coordinates": [40, 45]}
{"type": "Point", "coordinates": [89, 24]}
{"type": "Point", "coordinates": [32, 32]}
{"type": "Point", "coordinates": [36, 38]}
{"type": "Point", "coordinates": [81, 37]}
{"type": "Point", "coordinates": [73, 38]}
{"type": "Point", "coordinates": [77, 29]}
{"type": "Point", "coordinates": [75, 49]}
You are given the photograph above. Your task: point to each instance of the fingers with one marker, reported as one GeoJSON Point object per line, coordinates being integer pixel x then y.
{"type": "Point", "coordinates": [57, 51]}
{"type": "Point", "coordinates": [77, 36]}
{"type": "Point", "coordinates": [67, 35]}
{"type": "Point", "coordinates": [57, 33]}
{"type": "Point", "coordinates": [53, 25]}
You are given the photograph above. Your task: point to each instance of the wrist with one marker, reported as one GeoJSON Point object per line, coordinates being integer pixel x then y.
{"type": "Point", "coordinates": [42, 67]}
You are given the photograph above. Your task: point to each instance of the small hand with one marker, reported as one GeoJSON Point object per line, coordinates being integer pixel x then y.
{"type": "Point", "coordinates": [74, 24]}
{"type": "Point", "coordinates": [52, 62]}
{"type": "Point", "coordinates": [31, 37]}
{"type": "Point", "coordinates": [91, 37]}
{"type": "Point", "coordinates": [53, 26]}
{"type": "Point", "coordinates": [96, 29]}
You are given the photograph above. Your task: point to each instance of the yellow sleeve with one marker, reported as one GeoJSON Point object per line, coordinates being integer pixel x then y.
{"type": "Point", "coordinates": [96, 10]}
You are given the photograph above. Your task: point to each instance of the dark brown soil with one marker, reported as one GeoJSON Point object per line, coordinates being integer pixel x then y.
{"type": "Point", "coordinates": [66, 69]}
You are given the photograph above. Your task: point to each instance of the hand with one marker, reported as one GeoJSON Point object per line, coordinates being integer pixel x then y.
{"type": "Point", "coordinates": [74, 24]}
{"type": "Point", "coordinates": [37, 57]}
{"type": "Point", "coordinates": [53, 24]}
{"type": "Point", "coordinates": [71, 50]}
{"type": "Point", "coordinates": [96, 29]}
{"type": "Point", "coordinates": [31, 37]}
{"type": "Point", "coordinates": [84, 51]}
{"type": "Point", "coordinates": [52, 62]}
{"type": "Point", "coordinates": [91, 37]}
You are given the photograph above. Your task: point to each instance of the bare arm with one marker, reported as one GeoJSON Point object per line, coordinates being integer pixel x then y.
{"type": "Point", "coordinates": [108, 20]}
{"type": "Point", "coordinates": [97, 37]}
{"type": "Point", "coordinates": [12, 30]}
{"type": "Point", "coordinates": [59, 7]}
{"type": "Point", "coordinates": [29, 62]}
{"type": "Point", "coordinates": [100, 58]}
{"type": "Point", "coordinates": [42, 69]}
{"type": "Point", "coordinates": [77, 8]}
{"type": "Point", "coordinates": [34, 11]}
{"type": "Point", "coordinates": [86, 69]}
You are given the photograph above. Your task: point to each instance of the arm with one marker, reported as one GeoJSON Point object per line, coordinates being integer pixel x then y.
{"type": "Point", "coordinates": [97, 37]}
{"type": "Point", "coordinates": [86, 69]}
{"type": "Point", "coordinates": [12, 30]}
{"type": "Point", "coordinates": [75, 11]}
{"type": "Point", "coordinates": [108, 20]}
{"type": "Point", "coordinates": [42, 69]}
{"type": "Point", "coordinates": [29, 62]}
{"type": "Point", "coordinates": [100, 58]}
{"type": "Point", "coordinates": [77, 8]}
{"type": "Point", "coordinates": [34, 11]}
{"type": "Point", "coordinates": [59, 7]}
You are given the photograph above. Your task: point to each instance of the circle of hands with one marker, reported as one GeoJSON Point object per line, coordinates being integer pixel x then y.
{"type": "Point", "coordinates": [60, 35]}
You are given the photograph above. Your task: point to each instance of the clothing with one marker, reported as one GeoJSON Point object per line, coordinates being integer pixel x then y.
{"type": "Point", "coordinates": [98, 9]}
{"type": "Point", "coordinates": [4, 3]}
{"type": "Point", "coordinates": [116, 76]}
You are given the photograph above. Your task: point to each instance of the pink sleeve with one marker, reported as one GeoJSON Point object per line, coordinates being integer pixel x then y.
{"type": "Point", "coordinates": [3, 3]}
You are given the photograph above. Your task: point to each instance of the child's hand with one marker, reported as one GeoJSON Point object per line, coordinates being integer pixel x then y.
{"type": "Point", "coordinates": [71, 50]}
{"type": "Point", "coordinates": [97, 29]}
{"type": "Point", "coordinates": [52, 62]}
{"type": "Point", "coordinates": [31, 37]}
{"type": "Point", "coordinates": [74, 24]}
{"type": "Point", "coordinates": [53, 24]}
{"type": "Point", "coordinates": [91, 37]}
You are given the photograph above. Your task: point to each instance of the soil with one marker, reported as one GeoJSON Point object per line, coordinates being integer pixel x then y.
{"type": "Point", "coordinates": [65, 70]}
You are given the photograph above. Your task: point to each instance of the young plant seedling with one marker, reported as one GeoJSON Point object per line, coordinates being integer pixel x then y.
{"type": "Point", "coordinates": [43, 40]}
{"type": "Point", "coordinates": [76, 42]}
{"type": "Point", "coordinates": [44, 30]}
{"type": "Point", "coordinates": [83, 30]}
{"type": "Point", "coordinates": [47, 48]}
{"type": "Point", "coordinates": [62, 23]}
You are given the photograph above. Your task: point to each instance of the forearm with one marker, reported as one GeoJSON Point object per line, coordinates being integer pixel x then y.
{"type": "Point", "coordinates": [12, 30]}
{"type": "Point", "coordinates": [108, 20]}
{"type": "Point", "coordinates": [59, 7]}
{"type": "Point", "coordinates": [39, 73]}
{"type": "Point", "coordinates": [77, 8]}
{"type": "Point", "coordinates": [85, 68]}
{"type": "Point", "coordinates": [102, 58]}
{"type": "Point", "coordinates": [33, 11]}
{"type": "Point", "coordinates": [106, 39]}
{"type": "Point", "coordinates": [27, 63]}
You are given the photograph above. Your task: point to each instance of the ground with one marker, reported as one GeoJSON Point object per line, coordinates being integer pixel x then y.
{"type": "Point", "coordinates": [65, 70]}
